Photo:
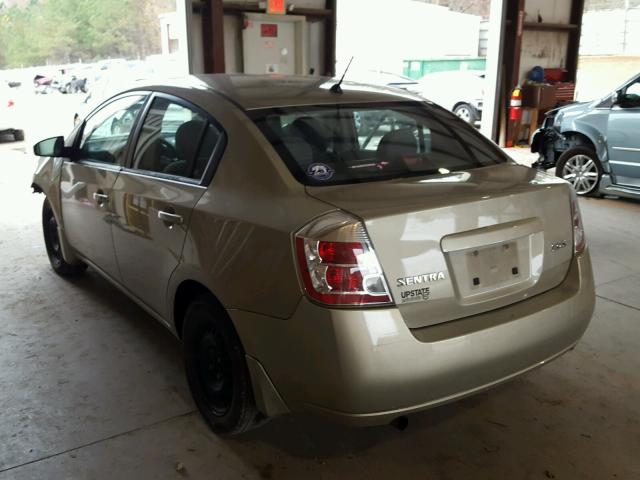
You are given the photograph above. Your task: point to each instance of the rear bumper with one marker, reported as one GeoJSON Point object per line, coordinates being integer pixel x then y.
{"type": "Point", "coordinates": [365, 367]}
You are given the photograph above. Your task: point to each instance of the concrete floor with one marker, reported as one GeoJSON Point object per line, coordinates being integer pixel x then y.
{"type": "Point", "coordinates": [92, 387]}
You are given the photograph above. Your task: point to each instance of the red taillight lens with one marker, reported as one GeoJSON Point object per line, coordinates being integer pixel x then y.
{"type": "Point", "coordinates": [336, 272]}
{"type": "Point", "coordinates": [10, 103]}
{"type": "Point", "coordinates": [339, 253]}
{"type": "Point", "coordinates": [344, 279]}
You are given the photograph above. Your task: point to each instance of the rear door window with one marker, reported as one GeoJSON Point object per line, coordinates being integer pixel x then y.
{"type": "Point", "coordinates": [176, 140]}
{"type": "Point", "coordinates": [326, 145]}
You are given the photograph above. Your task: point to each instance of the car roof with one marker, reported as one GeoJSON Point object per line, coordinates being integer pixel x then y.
{"type": "Point", "coordinates": [267, 91]}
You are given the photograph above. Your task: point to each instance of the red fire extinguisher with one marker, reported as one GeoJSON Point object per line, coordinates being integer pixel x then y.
{"type": "Point", "coordinates": [515, 106]}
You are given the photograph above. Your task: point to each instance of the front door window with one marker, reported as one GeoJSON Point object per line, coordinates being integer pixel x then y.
{"type": "Point", "coordinates": [105, 134]}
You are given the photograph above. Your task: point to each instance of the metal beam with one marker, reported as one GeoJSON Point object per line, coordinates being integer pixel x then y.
{"type": "Point", "coordinates": [573, 45]}
{"type": "Point", "coordinates": [254, 7]}
{"type": "Point", "coordinates": [512, 51]}
{"type": "Point", "coordinates": [204, 10]}
{"type": "Point", "coordinates": [513, 42]}
{"type": "Point", "coordinates": [211, 16]}
{"type": "Point", "coordinates": [491, 101]}
{"type": "Point", "coordinates": [330, 39]}
{"type": "Point", "coordinates": [217, 22]}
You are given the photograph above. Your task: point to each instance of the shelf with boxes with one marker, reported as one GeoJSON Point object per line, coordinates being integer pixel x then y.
{"type": "Point", "coordinates": [540, 96]}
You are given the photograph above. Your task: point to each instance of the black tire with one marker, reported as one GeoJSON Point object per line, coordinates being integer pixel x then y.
{"type": "Point", "coordinates": [18, 135]}
{"type": "Point", "coordinates": [466, 112]}
{"type": "Point", "coordinates": [52, 243]}
{"type": "Point", "coordinates": [216, 368]}
{"type": "Point", "coordinates": [587, 183]}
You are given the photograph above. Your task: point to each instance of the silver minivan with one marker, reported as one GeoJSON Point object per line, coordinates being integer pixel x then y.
{"type": "Point", "coordinates": [595, 145]}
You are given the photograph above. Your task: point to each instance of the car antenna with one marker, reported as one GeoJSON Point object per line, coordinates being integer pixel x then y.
{"type": "Point", "coordinates": [335, 88]}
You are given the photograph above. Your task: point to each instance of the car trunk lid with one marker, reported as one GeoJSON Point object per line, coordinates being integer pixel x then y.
{"type": "Point", "coordinates": [463, 243]}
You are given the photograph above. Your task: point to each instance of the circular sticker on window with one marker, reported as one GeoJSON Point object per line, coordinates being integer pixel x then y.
{"type": "Point", "coordinates": [320, 171]}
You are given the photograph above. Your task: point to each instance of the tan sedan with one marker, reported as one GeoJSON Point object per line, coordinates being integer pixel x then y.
{"type": "Point", "coordinates": [360, 253]}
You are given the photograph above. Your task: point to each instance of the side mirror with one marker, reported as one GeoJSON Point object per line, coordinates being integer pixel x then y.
{"type": "Point", "coordinates": [51, 147]}
{"type": "Point", "coordinates": [629, 100]}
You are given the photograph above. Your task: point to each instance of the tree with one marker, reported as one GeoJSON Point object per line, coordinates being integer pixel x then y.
{"type": "Point", "coordinates": [61, 31]}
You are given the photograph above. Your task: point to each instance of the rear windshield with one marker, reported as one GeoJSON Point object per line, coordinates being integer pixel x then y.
{"type": "Point", "coordinates": [335, 144]}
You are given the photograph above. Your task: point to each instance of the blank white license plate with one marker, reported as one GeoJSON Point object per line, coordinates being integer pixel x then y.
{"type": "Point", "coordinates": [492, 266]}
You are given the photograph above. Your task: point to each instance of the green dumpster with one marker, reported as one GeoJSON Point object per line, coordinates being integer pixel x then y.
{"type": "Point", "coordinates": [418, 68]}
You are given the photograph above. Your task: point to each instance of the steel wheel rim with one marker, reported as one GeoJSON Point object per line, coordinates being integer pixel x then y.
{"type": "Point", "coordinates": [581, 172]}
{"type": "Point", "coordinates": [464, 113]}
{"type": "Point", "coordinates": [52, 242]}
{"type": "Point", "coordinates": [53, 236]}
{"type": "Point", "coordinates": [214, 369]}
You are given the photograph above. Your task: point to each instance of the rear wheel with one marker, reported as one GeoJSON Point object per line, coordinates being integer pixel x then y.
{"type": "Point", "coordinates": [52, 243]}
{"type": "Point", "coordinates": [216, 368]}
{"type": "Point", "coordinates": [467, 113]}
{"type": "Point", "coordinates": [580, 167]}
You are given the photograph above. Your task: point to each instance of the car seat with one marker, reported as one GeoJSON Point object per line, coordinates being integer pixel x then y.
{"type": "Point", "coordinates": [396, 146]}
{"type": "Point", "coordinates": [187, 142]}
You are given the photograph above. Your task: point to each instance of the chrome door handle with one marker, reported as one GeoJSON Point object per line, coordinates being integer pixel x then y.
{"type": "Point", "coordinates": [169, 217]}
{"type": "Point", "coordinates": [100, 198]}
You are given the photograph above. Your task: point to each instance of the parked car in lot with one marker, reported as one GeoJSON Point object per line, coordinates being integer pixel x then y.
{"type": "Point", "coordinates": [9, 121]}
{"type": "Point", "coordinates": [103, 89]}
{"type": "Point", "coordinates": [595, 145]}
{"type": "Point", "coordinates": [381, 78]}
{"type": "Point", "coordinates": [72, 84]}
{"type": "Point", "coordinates": [308, 265]}
{"type": "Point", "coordinates": [460, 91]}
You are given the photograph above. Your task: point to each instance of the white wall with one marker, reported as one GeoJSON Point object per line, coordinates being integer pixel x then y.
{"type": "Point", "coordinates": [233, 43]}
{"type": "Point", "coordinates": [554, 11]}
{"type": "Point", "coordinates": [611, 32]}
{"type": "Point", "coordinates": [544, 48]}
{"type": "Point", "coordinates": [381, 34]}
{"type": "Point", "coordinates": [316, 47]}
{"type": "Point", "coordinates": [189, 31]}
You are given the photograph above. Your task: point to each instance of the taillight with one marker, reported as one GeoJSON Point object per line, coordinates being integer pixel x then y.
{"type": "Point", "coordinates": [579, 239]}
{"type": "Point", "coordinates": [337, 263]}
{"type": "Point", "coordinates": [10, 103]}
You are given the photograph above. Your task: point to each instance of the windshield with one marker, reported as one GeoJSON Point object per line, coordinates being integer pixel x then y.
{"type": "Point", "coordinates": [328, 145]}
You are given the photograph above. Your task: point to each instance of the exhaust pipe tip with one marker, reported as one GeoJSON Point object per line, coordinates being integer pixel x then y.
{"type": "Point", "coordinates": [400, 423]}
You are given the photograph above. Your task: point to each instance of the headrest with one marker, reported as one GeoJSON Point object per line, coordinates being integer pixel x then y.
{"type": "Point", "coordinates": [187, 138]}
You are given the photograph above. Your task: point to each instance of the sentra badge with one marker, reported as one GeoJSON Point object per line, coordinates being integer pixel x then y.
{"type": "Point", "coordinates": [417, 279]}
